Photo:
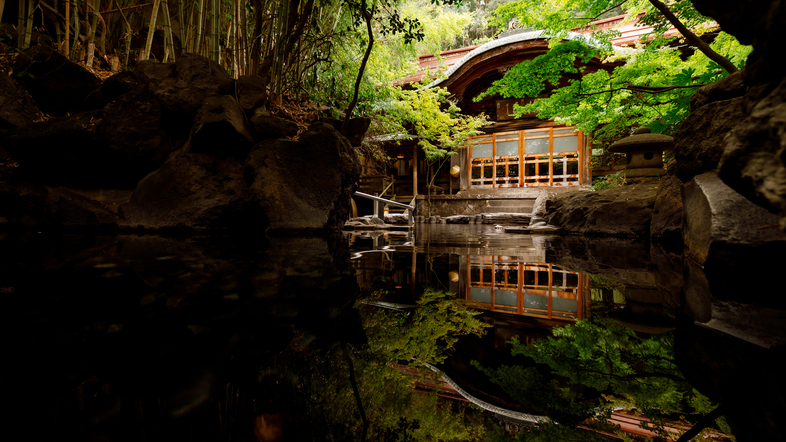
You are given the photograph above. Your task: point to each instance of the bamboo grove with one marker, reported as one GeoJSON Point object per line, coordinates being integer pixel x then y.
{"type": "Point", "coordinates": [286, 42]}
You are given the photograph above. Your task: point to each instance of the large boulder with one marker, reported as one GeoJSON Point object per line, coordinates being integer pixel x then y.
{"type": "Point", "coordinates": [728, 87]}
{"type": "Point", "coordinates": [119, 84]}
{"type": "Point", "coordinates": [666, 225]}
{"type": "Point", "coordinates": [305, 185]}
{"type": "Point", "coordinates": [73, 209]}
{"type": "Point", "coordinates": [194, 191]}
{"type": "Point", "coordinates": [754, 159]}
{"type": "Point", "coordinates": [623, 211]}
{"type": "Point", "coordinates": [69, 151]}
{"type": "Point", "coordinates": [132, 123]}
{"type": "Point", "coordinates": [58, 86]}
{"type": "Point", "coordinates": [698, 144]}
{"type": "Point", "coordinates": [183, 86]}
{"type": "Point", "coordinates": [251, 92]}
{"type": "Point", "coordinates": [22, 205]}
{"type": "Point", "coordinates": [729, 236]}
{"type": "Point", "coordinates": [356, 128]}
{"type": "Point", "coordinates": [266, 126]}
{"type": "Point", "coordinates": [16, 107]}
{"type": "Point", "coordinates": [220, 129]}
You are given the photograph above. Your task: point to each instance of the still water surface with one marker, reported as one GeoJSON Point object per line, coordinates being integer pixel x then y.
{"type": "Point", "coordinates": [150, 338]}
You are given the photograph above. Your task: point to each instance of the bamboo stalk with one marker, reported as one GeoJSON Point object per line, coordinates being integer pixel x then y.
{"type": "Point", "coordinates": [150, 31]}
{"type": "Point", "coordinates": [169, 42]}
{"type": "Point", "coordinates": [91, 37]}
{"type": "Point", "coordinates": [66, 47]}
{"type": "Point", "coordinates": [244, 36]}
{"type": "Point", "coordinates": [231, 58]}
{"type": "Point", "coordinates": [188, 43]}
{"type": "Point", "coordinates": [215, 29]}
{"type": "Point", "coordinates": [119, 9]}
{"type": "Point", "coordinates": [58, 29]}
{"type": "Point", "coordinates": [29, 22]}
{"type": "Point", "coordinates": [22, 26]}
{"type": "Point", "coordinates": [200, 25]}
{"type": "Point", "coordinates": [128, 34]}
{"type": "Point", "coordinates": [76, 27]}
{"type": "Point", "coordinates": [180, 21]}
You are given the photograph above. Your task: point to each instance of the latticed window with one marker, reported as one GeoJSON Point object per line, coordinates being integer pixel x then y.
{"type": "Point", "coordinates": [536, 157]}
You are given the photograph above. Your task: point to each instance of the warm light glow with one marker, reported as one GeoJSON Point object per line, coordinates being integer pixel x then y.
{"type": "Point", "coordinates": [454, 276]}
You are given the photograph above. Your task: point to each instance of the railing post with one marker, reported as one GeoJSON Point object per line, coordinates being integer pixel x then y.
{"type": "Point", "coordinates": [379, 210]}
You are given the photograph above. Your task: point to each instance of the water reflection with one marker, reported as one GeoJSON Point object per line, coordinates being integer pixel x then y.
{"type": "Point", "coordinates": [527, 287]}
{"type": "Point", "coordinates": [153, 338]}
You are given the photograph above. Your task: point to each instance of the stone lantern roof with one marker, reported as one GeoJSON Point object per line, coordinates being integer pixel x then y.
{"type": "Point", "coordinates": [642, 139]}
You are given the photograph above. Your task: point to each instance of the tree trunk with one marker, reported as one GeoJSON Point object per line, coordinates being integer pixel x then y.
{"type": "Point", "coordinates": [367, 15]}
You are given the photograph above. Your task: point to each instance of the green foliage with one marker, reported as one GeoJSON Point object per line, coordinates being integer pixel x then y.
{"type": "Point", "coordinates": [437, 122]}
{"type": "Point", "coordinates": [651, 89]}
{"type": "Point", "coordinates": [608, 182]}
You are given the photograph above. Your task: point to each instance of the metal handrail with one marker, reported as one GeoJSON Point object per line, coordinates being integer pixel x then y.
{"type": "Point", "coordinates": [379, 206]}
{"type": "Point", "coordinates": [383, 200]}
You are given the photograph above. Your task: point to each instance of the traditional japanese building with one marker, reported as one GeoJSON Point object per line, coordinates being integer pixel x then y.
{"type": "Point", "coordinates": [505, 169]}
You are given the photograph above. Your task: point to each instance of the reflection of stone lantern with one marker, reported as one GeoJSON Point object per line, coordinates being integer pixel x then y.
{"type": "Point", "coordinates": [644, 151]}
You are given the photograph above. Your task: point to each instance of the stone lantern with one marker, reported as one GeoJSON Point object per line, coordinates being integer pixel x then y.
{"type": "Point", "coordinates": [644, 151]}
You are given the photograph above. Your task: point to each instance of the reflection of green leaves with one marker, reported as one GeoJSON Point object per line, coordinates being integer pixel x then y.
{"type": "Point", "coordinates": [603, 357]}
{"type": "Point", "coordinates": [426, 333]}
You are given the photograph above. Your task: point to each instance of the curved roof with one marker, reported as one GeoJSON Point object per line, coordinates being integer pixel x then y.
{"type": "Point", "coordinates": [515, 38]}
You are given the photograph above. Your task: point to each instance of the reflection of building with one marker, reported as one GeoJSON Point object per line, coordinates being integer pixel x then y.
{"type": "Point", "coordinates": [506, 285]}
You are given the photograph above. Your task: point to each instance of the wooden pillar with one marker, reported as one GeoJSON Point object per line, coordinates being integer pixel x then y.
{"type": "Point", "coordinates": [415, 171]}
{"type": "Point", "coordinates": [551, 176]}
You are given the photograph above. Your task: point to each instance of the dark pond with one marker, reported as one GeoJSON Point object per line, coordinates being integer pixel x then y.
{"type": "Point", "coordinates": [444, 333]}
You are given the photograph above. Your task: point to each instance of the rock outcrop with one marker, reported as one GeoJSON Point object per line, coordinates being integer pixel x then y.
{"type": "Point", "coordinates": [16, 107]}
{"type": "Point", "coordinates": [220, 128]}
{"type": "Point", "coordinates": [316, 199]}
{"type": "Point", "coordinates": [57, 85]}
{"type": "Point", "coordinates": [194, 191]}
{"type": "Point", "coordinates": [698, 144]}
{"type": "Point", "coordinates": [174, 134]}
{"type": "Point", "coordinates": [723, 230]}
{"type": "Point", "coordinates": [182, 87]}
{"type": "Point", "coordinates": [666, 224]}
{"type": "Point", "coordinates": [624, 211]}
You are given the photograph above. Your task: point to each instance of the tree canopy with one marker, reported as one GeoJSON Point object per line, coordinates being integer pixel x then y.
{"type": "Point", "coordinates": [653, 86]}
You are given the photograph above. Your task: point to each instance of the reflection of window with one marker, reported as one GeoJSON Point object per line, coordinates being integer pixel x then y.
{"type": "Point", "coordinates": [530, 289]}
{"type": "Point", "coordinates": [536, 157]}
